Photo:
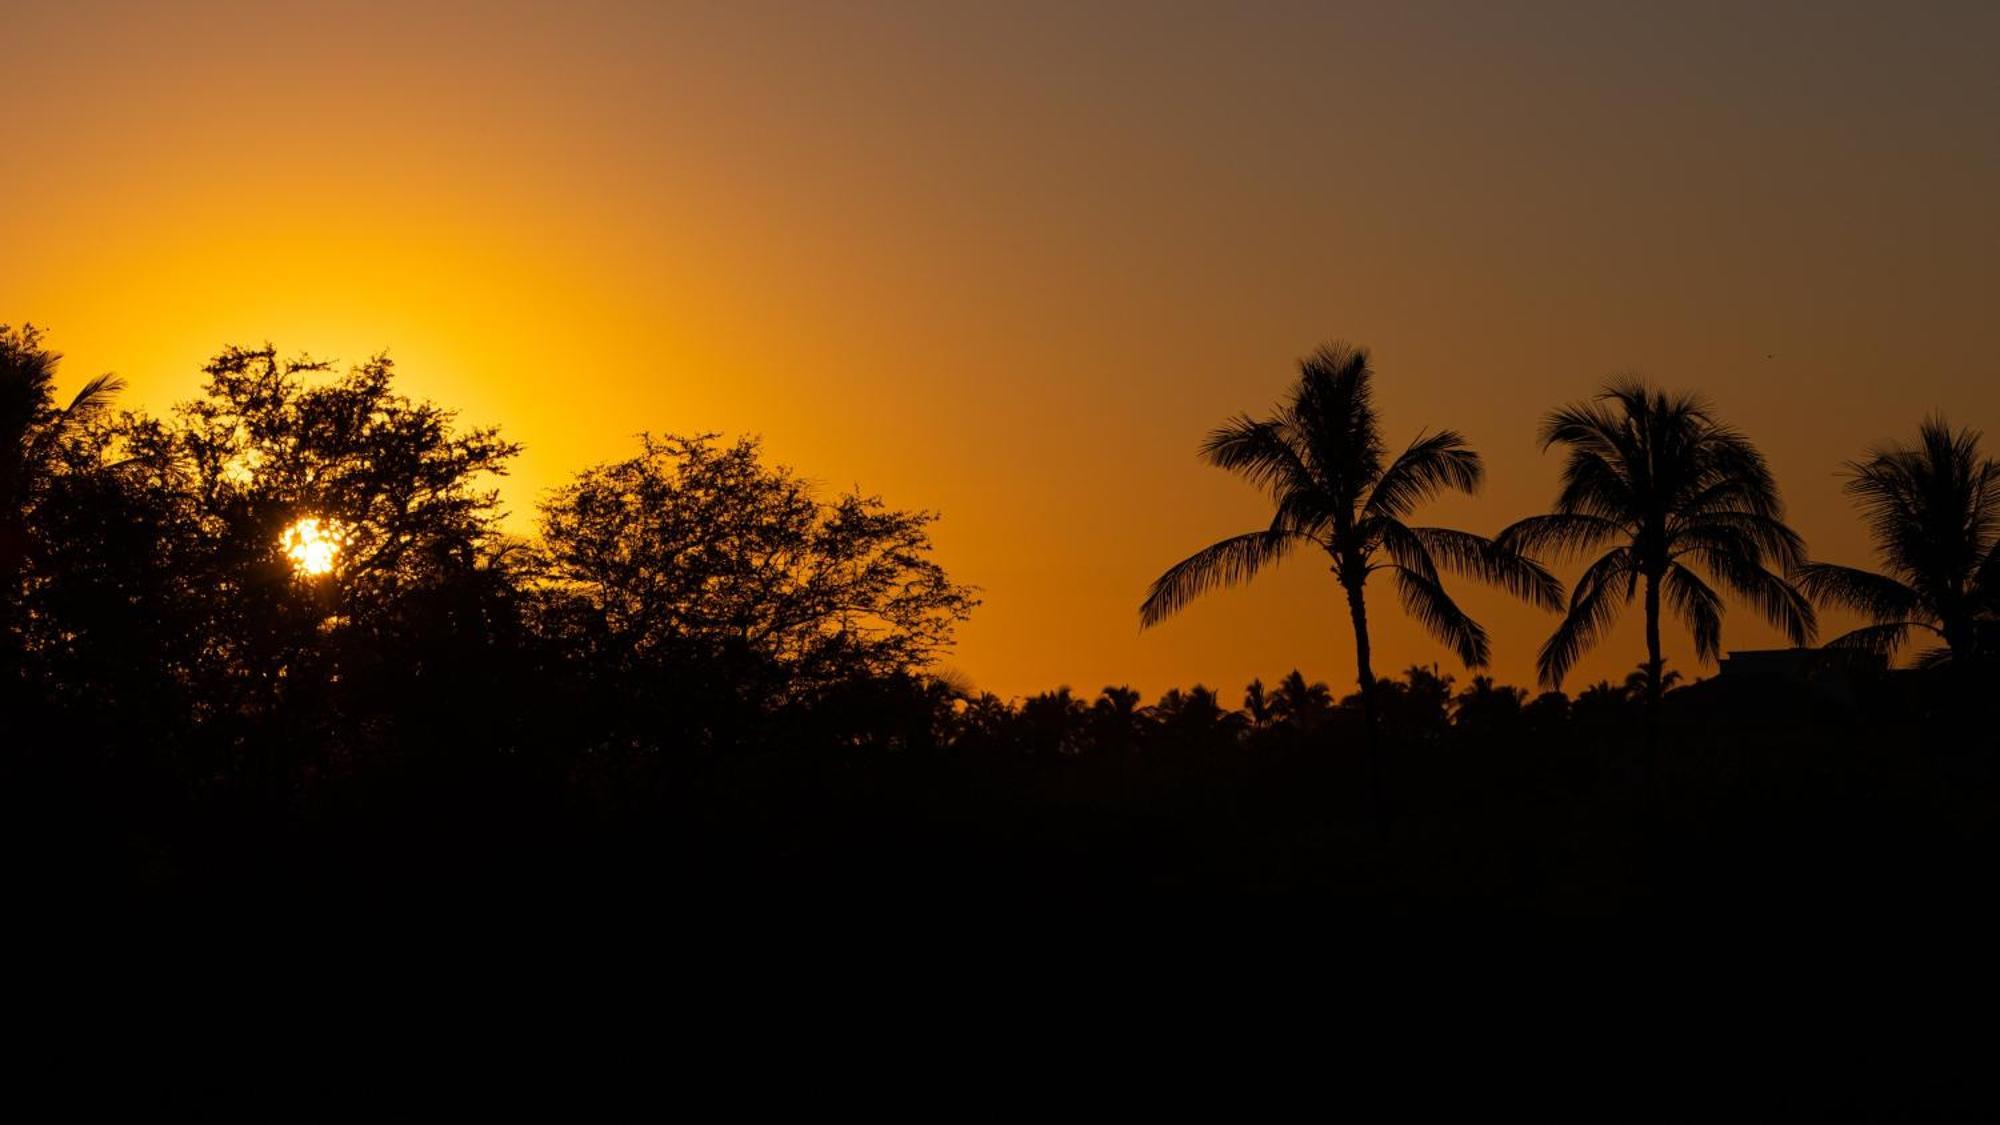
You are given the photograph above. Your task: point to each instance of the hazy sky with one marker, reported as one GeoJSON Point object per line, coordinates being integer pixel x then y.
{"type": "Point", "coordinates": [1012, 261]}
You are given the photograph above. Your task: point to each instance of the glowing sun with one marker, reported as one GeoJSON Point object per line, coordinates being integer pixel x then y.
{"type": "Point", "coordinates": [313, 545]}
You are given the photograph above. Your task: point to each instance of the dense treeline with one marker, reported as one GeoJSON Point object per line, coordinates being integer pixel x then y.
{"type": "Point", "coordinates": [279, 639]}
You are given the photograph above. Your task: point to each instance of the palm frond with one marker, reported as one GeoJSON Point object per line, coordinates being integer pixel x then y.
{"type": "Point", "coordinates": [1765, 538]}
{"type": "Point", "coordinates": [95, 395]}
{"type": "Point", "coordinates": [1259, 452]}
{"type": "Point", "coordinates": [1562, 534]}
{"type": "Point", "coordinates": [1489, 561]}
{"type": "Point", "coordinates": [1699, 606]}
{"type": "Point", "coordinates": [1310, 512]}
{"type": "Point", "coordinates": [1717, 492]}
{"type": "Point", "coordinates": [1777, 600]}
{"type": "Point", "coordinates": [1728, 473]}
{"type": "Point", "coordinates": [1233, 560]}
{"type": "Point", "coordinates": [1593, 486]}
{"type": "Point", "coordinates": [1593, 606]}
{"type": "Point", "coordinates": [93, 398]}
{"type": "Point", "coordinates": [1433, 464]}
{"type": "Point", "coordinates": [1932, 659]}
{"type": "Point", "coordinates": [1426, 600]}
{"type": "Point", "coordinates": [1885, 637]}
{"type": "Point", "coordinates": [1877, 596]}
{"type": "Point", "coordinates": [1401, 541]}
{"type": "Point", "coordinates": [1332, 412]}
{"type": "Point", "coordinates": [1587, 426]}
{"type": "Point", "coordinates": [1987, 582]}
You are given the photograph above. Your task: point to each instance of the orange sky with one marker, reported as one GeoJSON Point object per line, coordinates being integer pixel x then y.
{"type": "Point", "coordinates": [1013, 263]}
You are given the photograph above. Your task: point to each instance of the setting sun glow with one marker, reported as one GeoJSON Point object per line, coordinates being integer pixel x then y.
{"type": "Point", "coordinates": [313, 545]}
{"type": "Point", "coordinates": [829, 224]}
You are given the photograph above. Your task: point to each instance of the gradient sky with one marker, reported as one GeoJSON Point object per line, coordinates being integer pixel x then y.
{"type": "Point", "coordinates": [1012, 261]}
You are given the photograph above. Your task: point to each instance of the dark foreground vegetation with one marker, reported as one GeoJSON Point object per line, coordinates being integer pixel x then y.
{"type": "Point", "coordinates": [702, 683]}
{"type": "Point", "coordinates": [1763, 810]}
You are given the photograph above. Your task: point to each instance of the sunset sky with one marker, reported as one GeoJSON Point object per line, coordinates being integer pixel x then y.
{"type": "Point", "coordinates": [1012, 261]}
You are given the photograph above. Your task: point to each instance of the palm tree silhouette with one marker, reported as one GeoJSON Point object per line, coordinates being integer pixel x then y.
{"type": "Point", "coordinates": [1322, 461]}
{"type": "Point", "coordinates": [1666, 486]}
{"type": "Point", "coordinates": [1257, 704]}
{"type": "Point", "coordinates": [1054, 721]}
{"type": "Point", "coordinates": [1300, 704]}
{"type": "Point", "coordinates": [1638, 681]}
{"type": "Point", "coordinates": [1934, 513]}
{"type": "Point", "coordinates": [1117, 718]}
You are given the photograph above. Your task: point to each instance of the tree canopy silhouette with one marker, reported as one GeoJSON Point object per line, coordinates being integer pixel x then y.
{"type": "Point", "coordinates": [1934, 513]}
{"type": "Point", "coordinates": [695, 552]}
{"type": "Point", "coordinates": [703, 676]}
{"type": "Point", "coordinates": [1322, 461]}
{"type": "Point", "coordinates": [173, 577]}
{"type": "Point", "coordinates": [32, 427]}
{"type": "Point", "coordinates": [1666, 487]}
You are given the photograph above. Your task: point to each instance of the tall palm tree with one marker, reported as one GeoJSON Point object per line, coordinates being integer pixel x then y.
{"type": "Point", "coordinates": [1321, 459]}
{"type": "Point", "coordinates": [1934, 513]}
{"type": "Point", "coordinates": [31, 426]}
{"type": "Point", "coordinates": [1672, 493]}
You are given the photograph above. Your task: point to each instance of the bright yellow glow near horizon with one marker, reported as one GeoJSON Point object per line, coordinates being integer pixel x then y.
{"type": "Point", "coordinates": [313, 545]}
{"type": "Point", "coordinates": [1010, 262]}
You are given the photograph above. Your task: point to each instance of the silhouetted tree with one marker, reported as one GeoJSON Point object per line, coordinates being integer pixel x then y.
{"type": "Point", "coordinates": [898, 713]}
{"type": "Point", "coordinates": [1639, 681]}
{"type": "Point", "coordinates": [175, 576]}
{"type": "Point", "coordinates": [695, 563]}
{"type": "Point", "coordinates": [32, 427]}
{"type": "Point", "coordinates": [426, 707]}
{"type": "Point", "coordinates": [1934, 513]}
{"type": "Point", "coordinates": [1321, 459]}
{"type": "Point", "coordinates": [1547, 712]}
{"type": "Point", "coordinates": [1196, 718]}
{"type": "Point", "coordinates": [1116, 719]}
{"type": "Point", "coordinates": [106, 627]}
{"type": "Point", "coordinates": [1418, 706]}
{"type": "Point", "coordinates": [983, 721]}
{"type": "Point", "coordinates": [1486, 708]}
{"type": "Point", "coordinates": [1257, 705]}
{"type": "Point", "coordinates": [1662, 483]}
{"type": "Point", "coordinates": [1054, 722]}
{"type": "Point", "coordinates": [389, 479]}
{"type": "Point", "coordinates": [1304, 706]}
{"type": "Point", "coordinates": [1604, 704]}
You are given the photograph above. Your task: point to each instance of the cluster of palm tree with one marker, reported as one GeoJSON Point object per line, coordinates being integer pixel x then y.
{"type": "Point", "coordinates": [1117, 719]}
{"type": "Point", "coordinates": [1677, 507]}
{"type": "Point", "coordinates": [1423, 704]}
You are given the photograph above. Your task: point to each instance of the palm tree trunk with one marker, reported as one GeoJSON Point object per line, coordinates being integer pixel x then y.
{"type": "Point", "coordinates": [1964, 696]}
{"type": "Point", "coordinates": [1649, 769]}
{"type": "Point", "coordinates": [1357, 609]}
{"type": "Point", "coordinates": [1958, 640]}
{"type": "Point", "coordinates": [1653, 661]}
{"type": "Point", "coordinates": [1364, 673]}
